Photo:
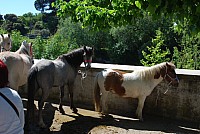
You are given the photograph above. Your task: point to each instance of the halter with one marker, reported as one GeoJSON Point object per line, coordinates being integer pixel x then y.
{"type": "Point", "coordinates": [88, 61]}
{"type": "Point", "coordinates": [84, 74]}
{"type": "Point", "coordinates": [172, 79]}
{"type": "Point", "coordinates": [168, 85]}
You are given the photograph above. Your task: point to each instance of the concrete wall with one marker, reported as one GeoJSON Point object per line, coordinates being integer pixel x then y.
{"type": "Point", "coordinates": [182, 102]}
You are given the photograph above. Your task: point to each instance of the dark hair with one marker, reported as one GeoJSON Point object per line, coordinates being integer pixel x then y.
{"type": "Point", "coordinates": [3, 74]}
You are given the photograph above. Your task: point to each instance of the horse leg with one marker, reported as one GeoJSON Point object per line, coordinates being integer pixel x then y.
{"type": "Point", "coordinates": [140, 106]}
{"type": "Point", "coordinates": [72, 107]}
{"type": "Point", "coordinates": [105, 103]}
{"type": "Point", "coordinates": [61, 99]}
{"type": "Point", "coordinates": [45, 95]}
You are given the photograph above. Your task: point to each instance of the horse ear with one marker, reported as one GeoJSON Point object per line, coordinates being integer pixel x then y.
{"type": "Point", "coordinates": [9, 35]}
{"type": "Point", "coordinates": [24, 42]}
{"type": "Point", "coordinates": [2, 36]}
{"type": "Point", "coordinates": [167, 64]}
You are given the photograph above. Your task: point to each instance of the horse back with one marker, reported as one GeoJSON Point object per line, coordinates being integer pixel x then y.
{"type": "Point", "coordinates": [65, 73]}
{"type": "Point", "coordinates": [122, 83]}
{"type": "Point", "coordinates": [45, 73]}
{"type": "Point", "coordinates": [13, 61]}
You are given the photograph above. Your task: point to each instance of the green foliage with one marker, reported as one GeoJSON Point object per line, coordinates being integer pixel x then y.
{"type": "Point", "coordinates": [39, 47]}
{"type": "Point", "coordinates": [100, 14]}
{"type": "Point", "coordinates": [68, 37]}
{"type": "Point", "coordinates": [158, 53]}
{"type": "Point", "coordinates": [17, 39]}
{"type": "Point", "coordinates": [74, 33]}
{"type": "Point", "coordinates": [135, 44]}
{"type": "Point", "coordinates": [12, 22]}
{"type": "Point", "coordinates": [58, 46]}
{"type": "Point", "coordinates": [189, 55]}
{"type": "Point", "coordinates": [105, 14]}
{"type": "Point", "coordinates": [2, 31]}
{"type": "Point", "coordinates": [28, 24]}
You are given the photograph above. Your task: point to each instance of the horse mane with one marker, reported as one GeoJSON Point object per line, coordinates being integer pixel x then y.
{"type": "Point", "coordinates": [23, 49]}
{"type": "Point", "coordinates": [74, 58]}
{"type": "Point", "coordinates": [149, 73]}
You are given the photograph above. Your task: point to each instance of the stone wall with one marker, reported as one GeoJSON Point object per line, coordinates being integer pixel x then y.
{"type": "Point", "coordinates": [182, 102]}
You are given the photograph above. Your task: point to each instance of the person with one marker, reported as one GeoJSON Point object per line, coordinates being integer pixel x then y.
{"type": "Point", "coordinates": [11, 106]}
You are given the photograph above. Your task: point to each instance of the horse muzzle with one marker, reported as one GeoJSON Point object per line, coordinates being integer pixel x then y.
{"type": "Point", "coordinates": [175, 82]}
{"type": "Point", "coordinates": [87, 64]}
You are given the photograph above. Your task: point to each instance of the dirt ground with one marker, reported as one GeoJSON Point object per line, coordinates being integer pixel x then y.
{"type": "Point", "coordinates": [90, 122]}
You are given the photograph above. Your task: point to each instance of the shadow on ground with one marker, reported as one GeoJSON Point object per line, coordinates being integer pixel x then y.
{"type": "Point", "coordinates": [84, 124]}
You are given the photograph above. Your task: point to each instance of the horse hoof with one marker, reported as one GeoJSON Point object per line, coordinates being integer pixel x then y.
{"type": "Point", "coordinates": [141, 119]}
{"type": "Point", "coordinates": [42, 125]}
{"type": "Point", "coordinates": [75, 110]}
{"type": "Point", "coordinates": [61, 110]}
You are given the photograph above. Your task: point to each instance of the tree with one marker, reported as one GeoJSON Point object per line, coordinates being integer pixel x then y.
{"type": "Point", "coordinates": [11, 17]}
{"type": "Point", "coordinates": [29, 20]}
{"type": "Point", "coordinates": [50, 22]}
{"type": "Point", "coordinates": [12, 22]}
{"type": "Point", "coordinates": [45, 5]}
{"type": "Point", "coordinates": [188, 54]}
{"type": "Point", "coordinates": [157, 53]}
{"type": "Point", "coordinates": [106, 13]}
{"type": "Point", "coordinates": [1, 19]}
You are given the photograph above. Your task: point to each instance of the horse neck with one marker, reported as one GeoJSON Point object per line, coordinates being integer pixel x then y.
{"type": "Point", "coordinates": [148, 75]}
{"type": "Point", "coordinates": [155, 82]}
{"type": "Point", "coordinates": [22, 50]}
{"type": "Point", "coordinates": [74, 59]}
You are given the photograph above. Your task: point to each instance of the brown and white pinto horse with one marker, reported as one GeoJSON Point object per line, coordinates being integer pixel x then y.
{"type": "Point", "coordinates": [5, 42]}
{"type": "Point", "coordinates": [18, 64]}
{"type": "Point", "coordinates": [138, 84]}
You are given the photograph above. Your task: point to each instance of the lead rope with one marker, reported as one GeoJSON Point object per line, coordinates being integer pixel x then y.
{"type": "Point", "coordinates": [158, 91]}
{"type": "Point", "coordinates": [83, 76]}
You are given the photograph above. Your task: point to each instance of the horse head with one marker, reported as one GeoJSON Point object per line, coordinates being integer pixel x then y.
{"type": "Point", "coordinates": [26, 48]}
{"type": "Point", "coordinates": [87, 56]}
{"type": "Point", "coordinates": [5, 42]}
{"type": "Point", "coordinates": [168, 73]}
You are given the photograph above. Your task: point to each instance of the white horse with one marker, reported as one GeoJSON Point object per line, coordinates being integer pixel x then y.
{"type": "Point", "coordinates": [18, 64]}
{"type": "Point", "coordinates": [138, 84]}
{"type": "Point", "coordinates": [5, 42]}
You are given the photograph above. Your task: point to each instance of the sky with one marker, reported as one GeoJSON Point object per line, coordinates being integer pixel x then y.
{"type": "Point", "coordinates": [17, 7]}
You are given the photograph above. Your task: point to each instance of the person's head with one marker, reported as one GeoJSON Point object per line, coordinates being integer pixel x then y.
{"type": "Point", "coordinates": [3, 74]}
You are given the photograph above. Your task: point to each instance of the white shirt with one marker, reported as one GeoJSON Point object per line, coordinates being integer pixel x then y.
{"type": "Point", "coordinates": [10, 123]}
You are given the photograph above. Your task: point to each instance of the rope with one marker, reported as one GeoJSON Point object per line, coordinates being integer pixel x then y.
{"type": "Point", "coordinates": [158, 92]}
{"type": "Point", "coordinates": [83, 76]}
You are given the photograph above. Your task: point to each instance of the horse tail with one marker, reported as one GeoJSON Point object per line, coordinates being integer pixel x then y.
{"type": "Point", "coordinates": [97, 94]}
{"type": "Point", "coordinates": [32, 88]}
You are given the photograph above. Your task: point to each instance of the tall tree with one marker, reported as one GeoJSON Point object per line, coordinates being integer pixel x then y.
{"type": "Point", "coordinates": [105, 13]}
{"type": "Point", "coordinates": [42, 5]}
{"type": "Point", "coordinates": [45, 5]}
{"type": "Point", "coordinates": [12, 22]}
{"type": "Point", "coordinates": [1, 19]}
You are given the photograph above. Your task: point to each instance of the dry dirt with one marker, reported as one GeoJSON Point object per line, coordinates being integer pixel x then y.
{"type": "Point", "coordinates": [90, 122]}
